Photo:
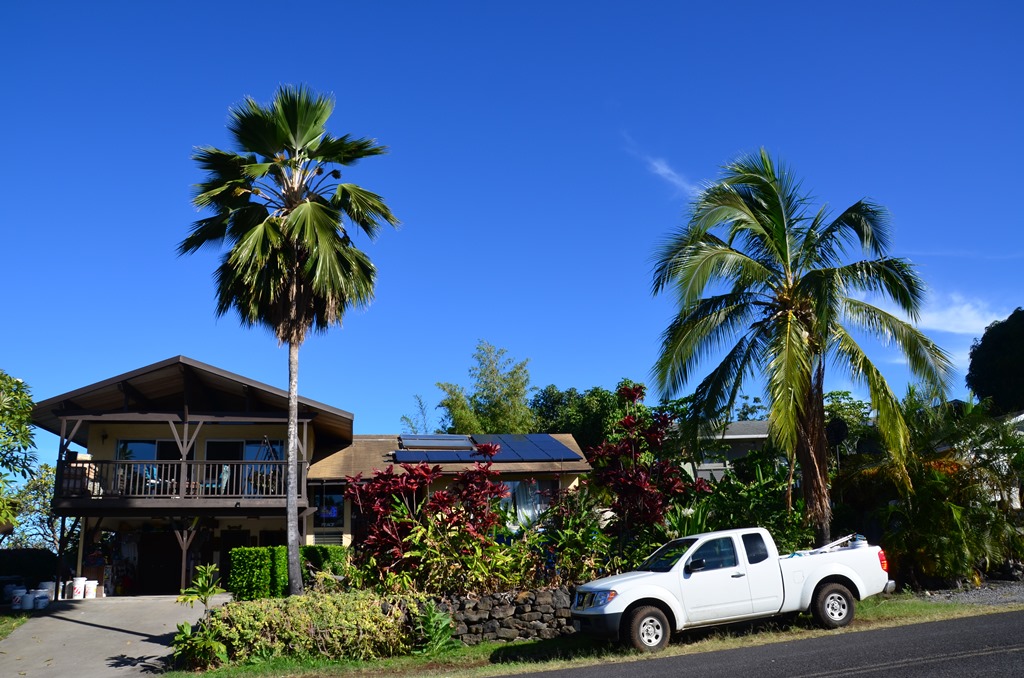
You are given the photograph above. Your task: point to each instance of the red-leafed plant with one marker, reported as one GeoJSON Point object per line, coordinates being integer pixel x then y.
{"type": "Point", "coordinates": [441, 543]}
{"type": "Point", "coordinates": [638, 476]}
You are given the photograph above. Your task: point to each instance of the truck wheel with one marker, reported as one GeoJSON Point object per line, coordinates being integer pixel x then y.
{"type": "Point", "coordinates": [833, 606]}
{"type": "Point", "coordinates": [648, 629]}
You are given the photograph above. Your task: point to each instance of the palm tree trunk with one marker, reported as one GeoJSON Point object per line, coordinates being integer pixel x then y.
{"type": "Point", "coordinates": [290, 472]}
{"type": "Point", "coordinates": [812, 453]}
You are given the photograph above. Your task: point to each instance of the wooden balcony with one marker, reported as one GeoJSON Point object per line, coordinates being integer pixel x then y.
{"type": "Point", "coordinates": [174, 488]}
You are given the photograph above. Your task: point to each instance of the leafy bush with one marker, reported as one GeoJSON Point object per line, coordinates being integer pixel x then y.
{"type": "Point", "coordinates": [250, 573]}
{"type": "Point", "coordinates": [199, 647]}
{"type": "Point", "coordinates": [278, 571]}
{"type": "Point", "coordinates": [573, 543]}
{"type": "Point", "coordinates": [446, 543]}
{"type": "Point", "coordinates": [355, 625]}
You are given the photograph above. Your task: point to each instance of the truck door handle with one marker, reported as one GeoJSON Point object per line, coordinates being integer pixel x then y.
{"type": "Point", "coordinates": [738, 575]}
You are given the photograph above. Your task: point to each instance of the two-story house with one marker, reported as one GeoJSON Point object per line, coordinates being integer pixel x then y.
{"type": "Point", "coordinates": [174, 464]}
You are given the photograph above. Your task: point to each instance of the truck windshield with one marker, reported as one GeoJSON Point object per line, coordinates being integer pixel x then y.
{"type": "Point", "coordinates": [667, 556]}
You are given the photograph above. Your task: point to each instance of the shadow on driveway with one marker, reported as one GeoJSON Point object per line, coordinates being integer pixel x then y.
{"type": "Point", "coordinates": [119, 636]}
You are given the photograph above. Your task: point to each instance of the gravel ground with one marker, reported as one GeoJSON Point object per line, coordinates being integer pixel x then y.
{"type": "Point", "coordinates": [993, 592]}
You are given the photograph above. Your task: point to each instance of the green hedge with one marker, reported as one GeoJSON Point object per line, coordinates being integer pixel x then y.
{"type": "Point", "coordinates": [354, 625]}
{"type": "Point", "coordinates": [262, 571]}
{"type": "Point", "coordinates": [250, 573]}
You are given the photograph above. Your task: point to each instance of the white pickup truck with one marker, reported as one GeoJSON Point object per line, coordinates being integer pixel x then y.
{"type": "Point", "coordinates": [729, 576]}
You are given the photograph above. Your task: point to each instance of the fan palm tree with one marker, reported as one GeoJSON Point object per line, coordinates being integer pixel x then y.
{"type": "Point", "coordinates": [280, 210]}
{"type": "Point", "coordinates": [755, 273]}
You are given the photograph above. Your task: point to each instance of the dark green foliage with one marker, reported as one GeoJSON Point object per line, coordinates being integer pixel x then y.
{"type": "Point", "coordinates": [250, 573]}
{"type": "Point", "coordinates": [588, 416]}
{"type": "Point", "coordinates": [997, 364]}
{"type": "Point", "coordinates": [262, 571]}
{"type": "Point", "coordinates": [758, 501]}
{"type": "Point", "coordinates": [33, 565]}
{"type": "Point", "coordinates": [279, 571]}
{"type": "Point", "coordinates": [17, 446]}
{"type": "Point", "coordinates": [577, 547]}
{"type": "Point", "coordinates": [948, 519]}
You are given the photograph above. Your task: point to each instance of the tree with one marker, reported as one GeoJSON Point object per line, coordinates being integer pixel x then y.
{"type": "Point", "coordinates": [997, 364]}
{"type": "Point", "coordinates": [498, 402]}
{"type": "Point", "coordinates": [588, 416]}
{"type": "Point", "coordinates": [280, 209]}
{"type": "Point", "coordinates": [418, 423]}
{"type": "Point", "coordinates": [38, 527]}
{"type": "Point", "coordinates": [17, 444]}
{"type": "Point", "coordinates": [776, 277]}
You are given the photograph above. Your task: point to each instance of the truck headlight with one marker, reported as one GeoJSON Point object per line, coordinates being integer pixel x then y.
{"type": "Point", "coordinates": [603, 598]}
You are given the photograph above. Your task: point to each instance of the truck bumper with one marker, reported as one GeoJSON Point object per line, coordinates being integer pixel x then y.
{"type": "Point", "coordinates": [606, 625]}
{"type": "Point", "coordinates": [890, 586]}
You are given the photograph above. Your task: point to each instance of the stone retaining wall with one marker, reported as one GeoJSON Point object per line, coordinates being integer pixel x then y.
{"type": "Point", "coordinates": [511, 616]}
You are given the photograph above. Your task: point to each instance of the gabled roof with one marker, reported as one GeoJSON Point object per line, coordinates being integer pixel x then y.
{"type": "Point", "coordinates": [369, 453]}
{"type": "Point", "coordinates": [182, 385]}
{"type": "Point", "coordinates": [745, 430]}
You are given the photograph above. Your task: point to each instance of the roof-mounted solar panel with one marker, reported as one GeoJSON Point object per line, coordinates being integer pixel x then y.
{"type": "Point", "coordinates": [436, 442]}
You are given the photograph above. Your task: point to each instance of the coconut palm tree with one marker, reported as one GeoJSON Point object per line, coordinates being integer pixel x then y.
{"type": "Point", "coordinates": [284, 216]}
{"type": "Point", "coordinates": [755, 273]}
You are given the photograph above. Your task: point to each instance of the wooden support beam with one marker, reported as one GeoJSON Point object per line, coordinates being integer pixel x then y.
{"type": "Point", "coordinates": [136, 396]}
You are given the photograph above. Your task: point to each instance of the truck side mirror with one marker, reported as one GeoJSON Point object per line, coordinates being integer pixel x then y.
{"type": "Point", "coordinates": [695, 565]}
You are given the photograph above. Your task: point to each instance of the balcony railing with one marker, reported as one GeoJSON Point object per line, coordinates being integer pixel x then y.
{"type": "Point", "coordinates": [175, 479]}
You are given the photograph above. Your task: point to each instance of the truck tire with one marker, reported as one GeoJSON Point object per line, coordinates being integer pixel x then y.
{"type": "Point", "coordinates": [648, 629]}
{"type": "Point", "coordinates": [833, 606]}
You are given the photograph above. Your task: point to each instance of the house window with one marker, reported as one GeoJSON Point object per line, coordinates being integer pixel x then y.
{"type": "Point", "coordinates": [148, 450]}
{"type": "Point", "coordinates": [244, 450]}
{"type": "Point", "coordinates": [528, 499]}
{"type": "Point", "coordinates": [330, 505]}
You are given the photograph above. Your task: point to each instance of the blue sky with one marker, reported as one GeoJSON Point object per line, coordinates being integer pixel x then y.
{"type": "Point", "coordinates": [539, 152]}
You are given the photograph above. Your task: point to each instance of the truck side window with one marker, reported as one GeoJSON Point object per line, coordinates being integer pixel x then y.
{"type": "Point", "coordinates": [716, 554]}
{"type": "Point", "coordinates": [756, 549]}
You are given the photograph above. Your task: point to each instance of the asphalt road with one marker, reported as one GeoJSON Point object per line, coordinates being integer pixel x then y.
{"type": "Point", "coordinates": [989, 645]}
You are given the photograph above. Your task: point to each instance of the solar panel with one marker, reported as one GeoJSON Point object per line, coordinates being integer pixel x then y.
{"type": "Point", "coordinates": [436, 442]}
{"type": "Point", "coordinates": [515, 448]}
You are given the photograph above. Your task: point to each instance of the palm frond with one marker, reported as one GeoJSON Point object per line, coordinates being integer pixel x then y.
{"type": "Point", "coordinates": [301, 115]}
{"type": "Point", "coordinates": [255, 129]}
{"type": "Point", "coordinates": [889, 414]}
{"type": "Point", "coordinates": [927, 361]}
{"type": "Point", "coordinates": [365, 208]}
{"type": "Point", "coordinates": [788, 371]}
{"type": "Point", "coordinates": [345, 150]}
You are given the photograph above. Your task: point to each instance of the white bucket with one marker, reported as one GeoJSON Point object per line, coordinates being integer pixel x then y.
{"type": "Point", "coordinates": [42, 599]}
{"type": "Point", "coordinates": [90, 588]}
{"type": "Point", "coordinates": [50, 588]}
{"type": "Point", "coordinates": [78, 591]}
{"type": "Point", "coordinates": [18, 597]}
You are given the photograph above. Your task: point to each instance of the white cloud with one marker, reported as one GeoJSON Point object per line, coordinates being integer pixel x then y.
{"type": "Point", "coordinates": [660, 168]}
{"type": "Point", "coordinates": [957, 314]}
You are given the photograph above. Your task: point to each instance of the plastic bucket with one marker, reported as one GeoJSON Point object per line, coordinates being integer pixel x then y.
{"type": "Point", "coordinates": [18, 598]}
{"type": "Point", "coordinates": [78, 590]}
{"type": "Point", "coordinates": [90, 588]}
{"type": "Point", "coordinates": [50, 588]}
{"type": "Point", "coordinates": [42, 599]}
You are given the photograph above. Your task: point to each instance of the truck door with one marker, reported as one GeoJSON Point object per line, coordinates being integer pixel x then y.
{"type": "Point", "coordinates": [714, 583]}
{"type": "Point", "coordinates": [763, 575]}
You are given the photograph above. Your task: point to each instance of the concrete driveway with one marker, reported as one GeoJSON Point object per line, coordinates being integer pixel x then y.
{"type": "Point", "coordinates": [97, 638]}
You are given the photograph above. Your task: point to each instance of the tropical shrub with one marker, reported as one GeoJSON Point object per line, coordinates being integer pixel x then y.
{"type": "Point", "coordinates": [444, 543]}
{"type": "Point", "coordinates": [354, 625]}
{"type": "Point", "coordinates": [574, 546]}
{"type": "Point", "coordinates": [944, 510]}
{"type": "Point", "coordinates": [638, 477]}
{"type": "Point", "coordinates": [250, 577]}
{"type": "Point", "coordinates": [199, 647]}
